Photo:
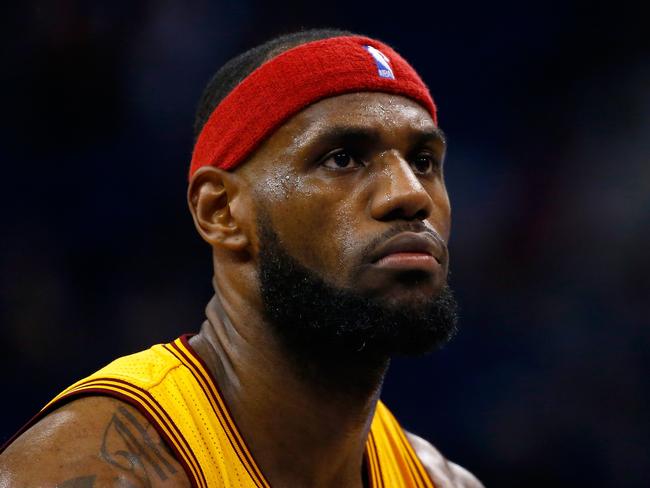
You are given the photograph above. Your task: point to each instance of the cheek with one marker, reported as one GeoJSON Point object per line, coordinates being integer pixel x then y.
{"type": "Point", "coordinates": [314, 221]}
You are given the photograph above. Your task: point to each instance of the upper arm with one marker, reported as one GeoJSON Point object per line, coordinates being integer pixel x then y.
{"type": "Point", "coordinates": [443, 472]}
{"type": "Point", "coordinates": [91, 442]}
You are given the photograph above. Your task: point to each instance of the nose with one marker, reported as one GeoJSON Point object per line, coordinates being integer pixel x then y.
{"type": "Point", "coordinates": [399, 194]}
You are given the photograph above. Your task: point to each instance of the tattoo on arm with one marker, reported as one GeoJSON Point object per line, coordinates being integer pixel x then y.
{"type": "Point", "coordinates": [127, 445]}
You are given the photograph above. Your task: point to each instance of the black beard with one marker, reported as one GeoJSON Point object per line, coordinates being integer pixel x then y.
{"type": "Point", "coordinates": [320, 324]}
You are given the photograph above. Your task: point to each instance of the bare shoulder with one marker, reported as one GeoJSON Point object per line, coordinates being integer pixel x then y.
{"type": "Point", "coordinates": [91, 442]}
{"type": "Point", "coordinates": [443, 472]}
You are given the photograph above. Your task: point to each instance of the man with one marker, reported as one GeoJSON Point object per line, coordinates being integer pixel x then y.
{"type": "Point", "coordinates": [317, 180]}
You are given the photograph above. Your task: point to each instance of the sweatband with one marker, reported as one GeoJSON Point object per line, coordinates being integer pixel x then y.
{"type": "Point", "coordinates": [296, 78]}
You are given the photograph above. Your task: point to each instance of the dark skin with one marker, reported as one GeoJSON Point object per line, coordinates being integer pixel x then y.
{"type": "Point", "coordinates": [91, 442]}
{"type": "Point", "coordinates": [331, 179]}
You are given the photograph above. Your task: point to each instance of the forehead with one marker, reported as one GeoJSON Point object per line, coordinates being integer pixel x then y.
{"type": "Point", "coordinates": [374, 110]}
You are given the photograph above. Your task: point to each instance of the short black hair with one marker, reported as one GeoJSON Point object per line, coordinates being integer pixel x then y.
{"type": "Point", "coordinates": [238, 68]}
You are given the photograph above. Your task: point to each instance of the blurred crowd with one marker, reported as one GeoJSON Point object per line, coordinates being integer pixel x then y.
{"type": "Point", "coordinates": [547, 110]}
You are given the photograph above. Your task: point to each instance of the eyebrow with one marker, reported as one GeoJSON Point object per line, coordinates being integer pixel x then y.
{"type": "Point", "coordinates": [348, 133]}
{"type": "Point", "coordinates": [435, 134]}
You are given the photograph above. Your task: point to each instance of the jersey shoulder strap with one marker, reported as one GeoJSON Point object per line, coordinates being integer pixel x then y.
{"type": "Point", "coordinates": [392, 460]}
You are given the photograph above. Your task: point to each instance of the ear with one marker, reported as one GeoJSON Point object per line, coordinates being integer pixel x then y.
{"type": "Point", "coordinates": [210, 195]}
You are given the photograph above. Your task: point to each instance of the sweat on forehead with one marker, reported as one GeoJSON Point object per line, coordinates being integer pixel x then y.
{"type": "Point", "coordinates": [291, 81]}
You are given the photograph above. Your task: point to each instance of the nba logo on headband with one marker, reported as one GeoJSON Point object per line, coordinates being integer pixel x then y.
{"type": "Point", "coordinates": [383, 64]}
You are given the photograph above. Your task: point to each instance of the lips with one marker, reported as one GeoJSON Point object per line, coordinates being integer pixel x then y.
{"type": "Point", "coordinates": [410, 247]}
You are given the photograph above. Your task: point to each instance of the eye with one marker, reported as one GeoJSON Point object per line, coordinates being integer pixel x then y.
{"type": "Point", "coordinates": [425, 164]}
{"type": "Point", "coordinates": [340, 160]}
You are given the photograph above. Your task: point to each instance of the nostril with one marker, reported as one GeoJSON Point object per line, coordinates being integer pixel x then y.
{"type": "Point", "coordinates": [400, 213]}
{"type": "Point", "coordinates": [421, 214]}
{"type": "Point", "coordinates": [395, 214]}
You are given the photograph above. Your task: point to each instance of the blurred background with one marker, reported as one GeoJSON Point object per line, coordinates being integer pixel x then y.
{"type": "Point", "coordinates": [547, 110]}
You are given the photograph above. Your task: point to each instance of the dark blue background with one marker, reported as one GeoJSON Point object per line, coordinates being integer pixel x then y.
{"type": "Point", "coordinates": [547, 109]}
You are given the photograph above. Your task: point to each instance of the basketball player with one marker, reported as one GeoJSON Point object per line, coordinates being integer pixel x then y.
{"type": "Point", "coordinates": [317, 180]}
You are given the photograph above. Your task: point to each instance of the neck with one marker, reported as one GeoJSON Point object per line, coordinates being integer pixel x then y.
{"type": "Point", "coordinates": [305, 421]}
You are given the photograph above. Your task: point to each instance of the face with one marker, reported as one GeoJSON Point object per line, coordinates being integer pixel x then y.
{"type": "Point", "coordinates": [353, 189]}
{"type": "Point", "coordinates": [347, 219]}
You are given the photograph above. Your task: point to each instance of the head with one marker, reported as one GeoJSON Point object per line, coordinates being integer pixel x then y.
{"type": "Point", "coordinates": [335, 225]}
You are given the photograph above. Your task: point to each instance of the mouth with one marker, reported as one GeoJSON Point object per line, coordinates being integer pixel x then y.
{"type": "Point", "coordinates": [410, 250]}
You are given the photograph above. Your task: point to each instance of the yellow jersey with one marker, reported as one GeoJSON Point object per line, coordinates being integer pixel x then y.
{"type": "Point", "coordinates": [171, 386]}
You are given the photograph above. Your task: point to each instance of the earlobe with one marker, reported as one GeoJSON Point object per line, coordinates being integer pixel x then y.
{"type": "Point", "coordinates": [210, 194]}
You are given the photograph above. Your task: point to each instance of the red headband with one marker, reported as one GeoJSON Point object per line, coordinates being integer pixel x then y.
{"type": "Point", "coordinates": [284, 85]}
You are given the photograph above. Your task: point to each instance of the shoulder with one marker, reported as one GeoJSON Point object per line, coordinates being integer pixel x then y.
{"type": "Point", "coordinates": [443, 472]}
{"type": "Point", "coordinates": [91, 442]}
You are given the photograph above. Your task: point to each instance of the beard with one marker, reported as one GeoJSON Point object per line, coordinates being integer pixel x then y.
{"type": "Point", "coordinates": [319, 323]}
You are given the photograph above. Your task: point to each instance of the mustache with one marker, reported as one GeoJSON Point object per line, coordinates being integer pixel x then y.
{"type": "Point", "coordinates": [417, 227]}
